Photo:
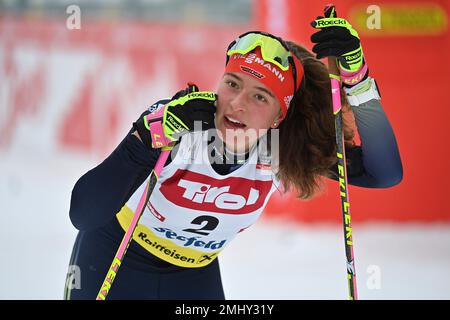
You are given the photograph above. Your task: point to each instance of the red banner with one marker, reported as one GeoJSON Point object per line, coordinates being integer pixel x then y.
{"type": "Point", "coordinates": [89, 85]}
{"type": "Point", "coordinates": [407, 54]}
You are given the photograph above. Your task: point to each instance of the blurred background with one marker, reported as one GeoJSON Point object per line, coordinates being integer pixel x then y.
{"type": "Point", "coordinates": [74, 75]}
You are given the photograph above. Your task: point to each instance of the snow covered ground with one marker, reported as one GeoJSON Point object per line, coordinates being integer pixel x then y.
{"type": "Point", "coordinates": [271, 260]}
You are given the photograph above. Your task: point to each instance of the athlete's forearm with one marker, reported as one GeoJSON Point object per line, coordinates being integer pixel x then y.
{"type": "Point", "coordinates": [382, 166]}
{"type": "Point", "coordinates": [100, 193]}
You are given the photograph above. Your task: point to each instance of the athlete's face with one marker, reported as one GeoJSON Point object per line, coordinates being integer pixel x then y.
{"type": "Point", "coordinates": [243, 99]}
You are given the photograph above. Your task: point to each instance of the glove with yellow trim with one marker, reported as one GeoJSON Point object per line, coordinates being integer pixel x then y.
{"type": "Point", "coordinates": [168, 123]}
{"type": "Point", "coordinates": [337, 38]}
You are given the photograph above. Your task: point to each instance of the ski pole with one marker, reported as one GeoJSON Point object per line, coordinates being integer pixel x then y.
{"type": "Point", "coordinates": [115, 265]}
{"type": "Point", "coordinates": [342, 169]}
{"type": "Point", "coordinates": [343, 184]}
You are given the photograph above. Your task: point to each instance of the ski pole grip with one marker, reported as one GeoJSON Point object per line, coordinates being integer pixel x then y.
{"type": "Point", "coordinates": [332, 66]}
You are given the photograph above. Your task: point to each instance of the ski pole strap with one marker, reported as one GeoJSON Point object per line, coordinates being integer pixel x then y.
{"type": "Point", "coordinates": [153, 122]}
{"type": "Point", "coordinates": [352, 78]}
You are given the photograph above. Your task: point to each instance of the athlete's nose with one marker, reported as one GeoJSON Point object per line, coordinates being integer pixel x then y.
{"type": "Point", "coordinates": [239, 102]}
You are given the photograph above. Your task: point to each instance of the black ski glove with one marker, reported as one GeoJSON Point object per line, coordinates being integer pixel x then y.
{"type": "Point", "coordinates": [168, 123]}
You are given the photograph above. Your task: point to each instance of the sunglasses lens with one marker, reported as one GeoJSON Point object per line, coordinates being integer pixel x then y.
{"type": "Point", "coordinates": [271, 49]}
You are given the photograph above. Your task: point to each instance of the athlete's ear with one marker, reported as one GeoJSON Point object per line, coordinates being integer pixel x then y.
{"type": "Point", "coordinates": [277, 120]}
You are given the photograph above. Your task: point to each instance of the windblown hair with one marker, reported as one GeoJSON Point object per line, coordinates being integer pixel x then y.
{"type": "Point", "coordinates": [307, 145]}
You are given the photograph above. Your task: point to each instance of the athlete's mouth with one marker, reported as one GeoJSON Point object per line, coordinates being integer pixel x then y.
{"type": "Point", "coordinates": [232, 123]}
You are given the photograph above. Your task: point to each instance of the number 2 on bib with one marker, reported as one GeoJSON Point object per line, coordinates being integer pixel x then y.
{"type": "Point", "coordinates": [211, 224]}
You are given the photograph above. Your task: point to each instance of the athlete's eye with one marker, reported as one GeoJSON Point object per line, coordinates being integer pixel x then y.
{"type": "Point", "coordinates": [231, 83]}
{"type": "Point", "coordinates": [260, 97]}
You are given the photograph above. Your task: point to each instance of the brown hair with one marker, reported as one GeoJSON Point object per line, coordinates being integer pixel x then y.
{"type": "Point", "coordinates": [307, 145]}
